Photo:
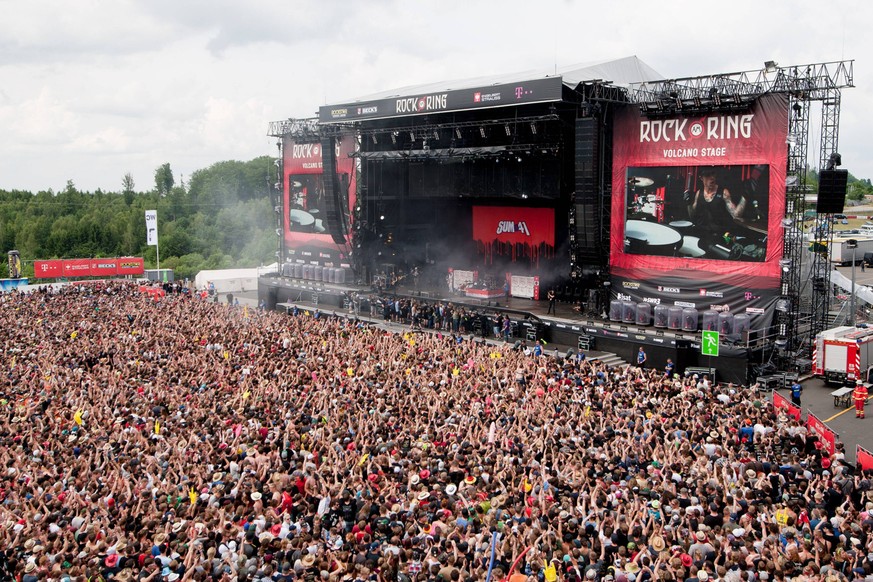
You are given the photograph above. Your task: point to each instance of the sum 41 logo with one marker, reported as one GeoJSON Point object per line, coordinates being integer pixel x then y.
{"type": "Point", "coordinates": [511, 226]}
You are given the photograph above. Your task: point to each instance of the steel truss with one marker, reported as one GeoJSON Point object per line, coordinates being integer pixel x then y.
{"type": "Point", "coordinates": [804, 312]}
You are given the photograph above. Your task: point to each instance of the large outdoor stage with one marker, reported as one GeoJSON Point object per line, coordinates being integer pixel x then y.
{"type": "Point", "coordinates": [659, 208]}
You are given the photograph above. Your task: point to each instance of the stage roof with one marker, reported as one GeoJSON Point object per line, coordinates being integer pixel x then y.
{"type": "Point", "coordinates": [490, 91]}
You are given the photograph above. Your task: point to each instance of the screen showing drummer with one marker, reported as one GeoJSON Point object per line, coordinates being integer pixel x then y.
{"type": "Point", "coordinates": [718, 212]}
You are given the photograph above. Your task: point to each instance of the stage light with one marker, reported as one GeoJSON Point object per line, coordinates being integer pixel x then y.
{"type": "Point", "coordinates": [381, 217]}
{"type": "Point", "coordinates": [482, 132]}
{"type": "Point", "coordinates": [277, 209]}
{"type": "Point", "coordinates": [436, 134]}
{"type": "Point", "coordinates": [533, 127]}
{"type": "Point", "coordinates": [518, 159]}
{"type": "Point", "coordinates": [373, 137]}
{"type": "Point", "coordinates": [277, 162]}
{"type": "Point", "coordinates": [411, 136]}
{"type": "Point", "coordinates": [787, 222]}
{"type": "Point", "coordinates": [458, 132]}
{"type": "Point", "coordinates": [770, 66]}
{"type": "Point", "coordinates": [278, 232]}
{"type": "Point", "coordinates": [835, 160]}
{"type": "Point", "coordinates": [508, 131]}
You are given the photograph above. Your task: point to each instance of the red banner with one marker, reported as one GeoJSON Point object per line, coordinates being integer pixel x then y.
{"type": "Point", "coordinates": [131, 266]}
{"type": "Point", "coordinates": [863, 458]}
{"type": "Point", "coordinates": [51, 269]}
{"type": "Point", "coordinates": [73, 268]}
{"type": "Point", "coordinates": [77, 268]}
{"type": "Point", "coordinates": [791, 410]}
{"type": "Point", "coordinates": [104, 267]}
{"type": "Point", "coordinates": [500, 228]}
{"type": "Point", "coordinates": [828, 436]}
{"type": "Point", "coordinates": [700, 198]}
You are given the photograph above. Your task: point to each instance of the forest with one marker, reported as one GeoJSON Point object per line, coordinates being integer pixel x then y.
{"type": "Point", "coordinates": [222, 217]}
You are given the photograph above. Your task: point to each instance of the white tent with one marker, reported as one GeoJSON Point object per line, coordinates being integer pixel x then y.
{"type": "Point", "coordinates": [232, 280]}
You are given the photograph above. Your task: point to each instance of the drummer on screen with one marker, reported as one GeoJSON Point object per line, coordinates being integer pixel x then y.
{"type": "Point", "coordinates": [713, 205]}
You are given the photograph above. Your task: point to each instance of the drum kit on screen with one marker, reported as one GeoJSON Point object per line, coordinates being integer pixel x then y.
{"type": "Point", "coordinates": [644, 235]}
{"type": "Point", "coordinates": [299, 218]}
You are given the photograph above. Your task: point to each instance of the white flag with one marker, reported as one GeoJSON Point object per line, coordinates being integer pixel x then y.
{"type": "Point", "coordinates": [151, 217]}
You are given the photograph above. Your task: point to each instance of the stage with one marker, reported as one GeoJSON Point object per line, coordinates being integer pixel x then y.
{"type": "Point", "coordinates": [567, 328]}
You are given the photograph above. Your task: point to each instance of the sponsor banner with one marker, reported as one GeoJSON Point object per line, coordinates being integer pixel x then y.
{"type": "Point", "coordinates": [77, 268]}
{"type": "Point", "coordinates": [827, 436]}
{"type": "Point", "coordinates": [791, 410]}
{"type": "Point", "coordinates": [863, 458]}
{"type": "Point", "coordinates": [736, 296]}
{"type": "Point", "coordinates": [104, 267]}
{"type": "Point", "coordinates": [151, 218]}
{"type": "Point", "coordinates": [698, 200]}
{"type": "Point", "coordinates": [533, 91]}
{"type": "Point", "coordinates": [512, 230]}
{"type": "Point", "coordinates": [73, 268]}
{"type": "Point", "coordinates": [131, 266]}
{"type": "Point", "coordinates": [306, 203]}
{"type": "Point", "coordinates": [53, 269]}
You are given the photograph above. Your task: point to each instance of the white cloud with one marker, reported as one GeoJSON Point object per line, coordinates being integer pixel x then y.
{"type": "Point", "coordinates": [117, 86]}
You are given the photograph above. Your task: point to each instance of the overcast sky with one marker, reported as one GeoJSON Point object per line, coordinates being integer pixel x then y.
{"type": "Point", "coordinates": [93, 89]}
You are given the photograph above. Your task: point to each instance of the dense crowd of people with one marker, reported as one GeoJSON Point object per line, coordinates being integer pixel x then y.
{"type": "Point", "coordinates": [175, 438]}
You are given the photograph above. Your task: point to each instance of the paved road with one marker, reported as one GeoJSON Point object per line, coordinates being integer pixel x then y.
{"type": "Point", "coordinates": [852, 431]}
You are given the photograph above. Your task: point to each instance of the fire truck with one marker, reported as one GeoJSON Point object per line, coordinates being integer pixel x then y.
{"type": "Point", "coordinates": [843, 355]}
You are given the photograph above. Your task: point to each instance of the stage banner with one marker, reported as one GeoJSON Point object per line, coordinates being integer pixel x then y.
{"type": "Point", "coordinates": [791, 410]}
{"type": "Point", "coordinates": [52, 269]}
{"type": "Point", "coordinates": [525, 287]}
{"type": "Point", "coordinates": [697, 207]}
{"type": "Point", "coordinates": [131, 266]}
{"type": "Point", "coordinates": [863, 458]}
{"type": "Point", "coordinates": [459, 279]}
{"type": "Point", "coordinates": [515, 231]}
{"type": "Point", "coordinates": [501, 95]}
{"type": "Point", "coordinates": [77, 268]}
{"type": "Point", "coordinates": [306, 203]}
{"type": "Point", "coordinates": [827, 436]}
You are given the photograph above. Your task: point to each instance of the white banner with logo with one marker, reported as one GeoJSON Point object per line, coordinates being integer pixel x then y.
{"type": "Point", "coordinates": [151, 218]}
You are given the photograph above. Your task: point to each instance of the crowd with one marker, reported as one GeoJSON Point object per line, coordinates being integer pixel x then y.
{"type": "Point", "coordinates": [174, 438]}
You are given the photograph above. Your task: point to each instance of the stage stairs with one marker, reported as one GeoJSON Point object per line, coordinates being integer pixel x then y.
{"type": "Point", "coordinates": [608, 358]}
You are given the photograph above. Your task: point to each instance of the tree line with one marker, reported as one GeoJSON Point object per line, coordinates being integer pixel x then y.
{"type": "Point", "coordinates": [223, 217]}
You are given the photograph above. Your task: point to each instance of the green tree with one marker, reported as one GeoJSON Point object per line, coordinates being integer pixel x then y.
{"type": "Point", "coordinates": [164, 180]}
{"type": "Point", "coordinates": [127, 188]}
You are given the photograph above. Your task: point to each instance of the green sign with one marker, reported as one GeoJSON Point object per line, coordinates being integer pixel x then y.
{"type": "Point", "coordinates": [709, 343]}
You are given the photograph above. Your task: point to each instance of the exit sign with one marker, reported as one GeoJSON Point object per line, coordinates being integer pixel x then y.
{"type": "Point", "coordinates": [709, 343]}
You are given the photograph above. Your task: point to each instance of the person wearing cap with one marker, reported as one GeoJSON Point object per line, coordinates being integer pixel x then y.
{"type": "Point", "coordinates": [859, 395]}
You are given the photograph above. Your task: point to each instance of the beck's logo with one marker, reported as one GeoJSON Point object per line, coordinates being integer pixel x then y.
{"type": "Point", "coordinates": [509, 226]}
